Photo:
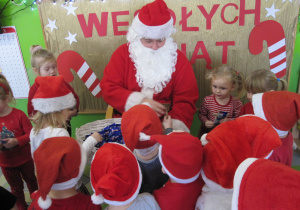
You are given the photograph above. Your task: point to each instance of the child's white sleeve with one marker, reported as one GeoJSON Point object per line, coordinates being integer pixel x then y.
{"type": "Point", "coordinates": [89, 144]}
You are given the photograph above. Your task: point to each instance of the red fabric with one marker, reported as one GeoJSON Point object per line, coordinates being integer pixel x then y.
{"type": "Point", "coordinates": [181, 154]}
{"type": "Point", "coordinates": [232, 142]}
{"type": "Point", "coordinates": [269, 185]}
{"type": "Point", "coordinates": [76, 202]}
{"type": "Point", "coordinates": [174, 196]}
{"type": "Point", "coordinates": [133, 124]}
{"type": "Point", "coordinates": [247, 109]}
{"type": "Point", "coordinates": [56, 165]}
{"type": "Point", "coordinates": [155, 13]}
{"type": "Point", "coordinates": [281, 108]}
{"type": "Point", "coordinates": [14, 177]}
{"type": "Point", "coordinates": [32, 91]}
{"type": "Point", "coordinates": [119, 82]}
{"type": "Point", "coordinates": [17, 122]}
{"type": "Point", "coordinates": [284, 153]}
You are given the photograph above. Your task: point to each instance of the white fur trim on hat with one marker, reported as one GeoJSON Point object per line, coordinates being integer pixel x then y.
{"type": "Point", "coordinates": [152, 32]}
{"type": "Point", "coordinates": [176, 179]}
{"type": "Point", "coordinates": [45, 204]}
{"type": "Point", "coordinates": [239, 173]}
{"type": "Point", "coordinates": [213, 185]}
{"type": "Point", "coordinates": [48, 105]}
{"type": "Point", "coordinates": [72, 182]}
{"type": "Point", "coordinates": [147, 150]}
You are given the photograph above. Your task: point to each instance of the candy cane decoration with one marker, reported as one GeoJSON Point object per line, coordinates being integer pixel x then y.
{"type": "Point", "coordinates": [68, 60]}
{"type": "Point", "coordinates": [272, 32]}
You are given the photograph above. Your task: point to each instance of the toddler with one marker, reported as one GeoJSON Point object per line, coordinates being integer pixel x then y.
{"type": "Point", "coordinates": [146, 152]}
{"type": "Point", "coordinates": [116, 179]}
{"type": "Point", "coordinates": [221, 106]}
{"type": "Point", "coordinates": [15, 158]}
{"type": "Point", "coordinates": [260, 81]}
{"type": "Point", "coordinates": [60, 162]}
{"type": "Point", "coordinates": [43, 64]}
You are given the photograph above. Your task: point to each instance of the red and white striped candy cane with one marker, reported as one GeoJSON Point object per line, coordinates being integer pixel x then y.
{"type": "Point", "coordinates": [272, 32]}
{"type": "Point", "coordinates": [70, 59]}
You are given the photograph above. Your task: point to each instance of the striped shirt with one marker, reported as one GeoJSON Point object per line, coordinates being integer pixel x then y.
{"type": "Point", "coordinates": [210, 108]}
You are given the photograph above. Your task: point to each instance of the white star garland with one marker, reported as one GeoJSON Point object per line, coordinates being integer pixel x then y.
{"type": "Point", "coordinates": [71, 9]}
{"type": "Point", "coordinates": [71, 38]}
{"type": "Point", "coordinates": [51, 24]}
{"type": "Point", "coordinates": [271, 11]}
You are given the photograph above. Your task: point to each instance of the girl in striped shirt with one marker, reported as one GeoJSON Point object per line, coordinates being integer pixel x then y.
{"type": "Point", "coordinates": [221, 106]}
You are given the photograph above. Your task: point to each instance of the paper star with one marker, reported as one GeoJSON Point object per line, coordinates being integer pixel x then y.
{"type": "Point", "coordinates": [289, 1]}
{"type": "Point", "coordinates": [71, 9]}
{"type": "Point", "coordinates": [51, 24]}
{"type": "Point", "coordinates": [271, 11]}
{"type": "Point", "coordinates": [71, 38]}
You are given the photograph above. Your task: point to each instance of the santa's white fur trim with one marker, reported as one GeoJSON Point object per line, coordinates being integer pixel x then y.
{"type": "Point", "coordinates": [213, 185]}
{"type": "Point", "coordinates": [239, 173]}
{"type": "Point", "coordinates": [176, 179]}
{"type": "Point", "coordinates": [133, 99]}
{"type": "Point", "coordinates": [179, 125]}
{"type": "Point", "coordinates": [152, 32]}
{"type": "Point", "coordinates": [144, 137]}
{"type": "Point", "coordinates": [213, 200]}
{"type": "Point", "coordinates": [45, 204]}
{"type": "Point", "coordinates": [203, 139]}
{"type": "Point", "coordinates": [97, 199]}
{"type": "Point", "coordinates": [48, 105]}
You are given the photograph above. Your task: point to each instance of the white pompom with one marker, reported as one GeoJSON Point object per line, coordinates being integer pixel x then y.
{"type": "Point", "coordinates": [45, 204]}
{"type": "Point", "coordinates": [97, 199]}
{"type": "Point", "coordinates": [144, 137]}
{"type": "Point", "coordinates": [203, 139]}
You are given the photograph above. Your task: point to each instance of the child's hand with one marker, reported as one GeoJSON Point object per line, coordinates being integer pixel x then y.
{"type": "Point", "coordinates": [10, 142]}
{"type": "Point", "coordinates": [224, 120]}
{"type": "Point", "coordinates": [209, 124]}
{"type": "Point", "coordinates": [97, 136]}
{"type": "Point", "coordinates": [167, 122]}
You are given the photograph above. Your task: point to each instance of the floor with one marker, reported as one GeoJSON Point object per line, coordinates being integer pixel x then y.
{"type": "Point", "coordinates": [85, 179]}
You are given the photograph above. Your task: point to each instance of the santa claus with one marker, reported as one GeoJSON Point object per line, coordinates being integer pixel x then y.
{"type": "Point", "coordinates": [150, 68]}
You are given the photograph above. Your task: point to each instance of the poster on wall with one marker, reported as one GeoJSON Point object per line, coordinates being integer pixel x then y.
{"type": "Point", "coordinates": [12, 64]}
{"type": "Point", "coordinates": [245, 34]}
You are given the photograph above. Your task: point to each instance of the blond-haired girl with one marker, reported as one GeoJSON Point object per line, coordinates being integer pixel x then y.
{"type": "Point", "coordinates": [224, 80]}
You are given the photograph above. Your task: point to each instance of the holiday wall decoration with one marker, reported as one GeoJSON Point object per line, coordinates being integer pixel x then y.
{"type": "Point", "coordinates": [245, 34]}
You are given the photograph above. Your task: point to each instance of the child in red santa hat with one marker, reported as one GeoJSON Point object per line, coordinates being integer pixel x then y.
{"type": "Point", "coordinates": [227, 146]}
{"type": "Point", "coordinates": [60, 162]}
{"type": "Point", "coordinates": [116, 179]}
{"type": "Point", "coordinates": [282, 110]}
{"type": "Point", "coordinates": [180, 155]}
{"type": "Point", "coordinates": [265, 184]}
{"type": "Point", "coordinates": [141, 118]}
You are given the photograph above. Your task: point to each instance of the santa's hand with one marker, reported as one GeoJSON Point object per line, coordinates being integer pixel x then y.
{"type": "Point", "coordinates": [159, 108]}
{"type": "Point", "coordinates": [97, 136]}
{"type": "Point", "coordinates": [10, 142]}
{"type": "Point", "coordinates": [167, 122]}
{"type": "Point", "coordinates": [209, 124]}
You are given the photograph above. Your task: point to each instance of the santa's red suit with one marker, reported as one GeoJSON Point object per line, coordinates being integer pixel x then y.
{"type": "Point", "coordinates": [121, 90]}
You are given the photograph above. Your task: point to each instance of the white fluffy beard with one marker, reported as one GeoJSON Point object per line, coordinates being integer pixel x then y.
{"type": "Point", "coordinates": [154, 68]}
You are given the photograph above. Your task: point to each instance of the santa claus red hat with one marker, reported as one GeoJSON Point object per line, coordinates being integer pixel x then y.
{"type": "Point", "coordinates": [153, 21]}
{"type": "Point", "coordinates": [59, 162]}
{"type": "Point", "coordinates": [265, 184]}
{"type": "Point", "coordinates": [115, 175]}
{"type": "Point", "coordinates": [52, 95]}
{"type": "Point", "coordinates": [180, 155]}
{"type": "Point", "coordinates": [280, 108]}
{"type": "Point", "coordinates": [139, 118]}
{"type": "Point", "coordinates": [232, 142]}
